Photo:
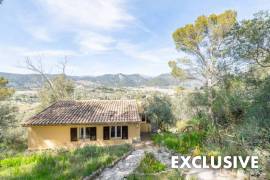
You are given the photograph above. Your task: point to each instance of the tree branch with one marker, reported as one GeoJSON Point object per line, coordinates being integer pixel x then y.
{"type": "Point", "coordinates": [30, 66]}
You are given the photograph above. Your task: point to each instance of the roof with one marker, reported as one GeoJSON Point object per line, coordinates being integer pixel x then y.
{"type": "Point", "coordinates": [86, 112]}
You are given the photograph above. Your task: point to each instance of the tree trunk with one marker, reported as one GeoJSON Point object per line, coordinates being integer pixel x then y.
{"type": "Point", "coordinates": [210, 101]}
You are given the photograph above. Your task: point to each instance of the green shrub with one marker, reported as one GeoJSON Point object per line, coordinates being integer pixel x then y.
{"type": "Point", "coordinates": [172, 142]}
{"type": "Point", "coordinates": [149, 164]}
{"type": "Point", "coordinates": [158, 110]}
{"type": "Point", "coordinates": [182, 143]}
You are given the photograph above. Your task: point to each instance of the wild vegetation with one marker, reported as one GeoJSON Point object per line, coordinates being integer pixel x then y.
{"type": "Point", "coordinates": [150, 168]}
{"type": "Point", "coordinates": [61, 164]}
{"type": "Point", "coordinates": [149, 164]}
{"type": "Point", "coordinates": [159, 110]}
{"type": "Point", "coordinates": [183, 143]}
{"type": "Point", "coordinates": [12, 137]}
{"type": "Point", "coordinates": [231, 111]}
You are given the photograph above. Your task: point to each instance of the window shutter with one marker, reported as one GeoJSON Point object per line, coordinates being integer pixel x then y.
{"type": "Point", "coordinates": [87, 132]}
{"type": "Point", "coordinates": [93, 133]}
{"type": "Point", "coordinates": [73, 134]}
{"type": "Point", "coordinates": [113, 131]}
{"type": "Point", "coordinates": [106, 132]}
{"type": "Point", "coordinates": [124, 132]}
{"type": "Point", "coordinates": [118, 131]}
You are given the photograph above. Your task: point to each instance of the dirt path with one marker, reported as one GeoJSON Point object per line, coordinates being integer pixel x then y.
{"type": "Point", "coordinates": [123, 167]}
{"type": "Point", "coordinates": [126, 166]}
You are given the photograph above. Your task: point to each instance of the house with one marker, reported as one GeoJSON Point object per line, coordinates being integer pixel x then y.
{"type": "Point", "coordinates": [68, 124]}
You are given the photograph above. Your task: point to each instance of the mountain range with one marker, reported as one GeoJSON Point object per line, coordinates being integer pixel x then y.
{"type": "Point", "coordinates": [29, 81]}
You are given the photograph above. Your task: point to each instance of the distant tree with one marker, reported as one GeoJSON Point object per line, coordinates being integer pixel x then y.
{"type": "Point", "coordinates": [7, 112]}
{"type": "Point", "coordinates": [63, 89]}
{"type": "Point", "coordinates": [158, 109]}
{"type": "Point", "coordinates": [202, 43]}
{"type": "Point", "coordinates": [249, 40]}
{"type": "Point", "coordinates": [5, 92]}
{"type": "Point", "coordinates": [54, 89]}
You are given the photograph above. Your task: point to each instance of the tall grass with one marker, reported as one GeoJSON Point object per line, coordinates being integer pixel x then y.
{"type": "Point", "coordinates": [62, 164]}
{"type": "Point", "coordinates": [182, 143]}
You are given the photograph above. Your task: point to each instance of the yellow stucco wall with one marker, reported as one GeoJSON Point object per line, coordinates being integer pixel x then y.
{"type": "Point", "coordinates": [51, 137]}
{"type": "Point", "coordinates": [145, 127]}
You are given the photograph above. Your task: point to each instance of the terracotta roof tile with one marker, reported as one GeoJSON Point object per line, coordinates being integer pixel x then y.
{"type": "Point", "coordinates": [87, 112]}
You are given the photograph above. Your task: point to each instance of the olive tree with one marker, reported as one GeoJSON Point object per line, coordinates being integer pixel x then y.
{"type": "Point", "coordinates": [158, 110]}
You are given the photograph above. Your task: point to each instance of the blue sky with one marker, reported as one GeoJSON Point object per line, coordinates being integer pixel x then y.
{"type": "Point", "coordinates": [102, 36]}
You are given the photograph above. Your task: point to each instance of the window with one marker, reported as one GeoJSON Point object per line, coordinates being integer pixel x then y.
{"type": "Point", "coordinates": [116, 131]}
{"type": "Point", "coordinates": [113, 131]}
{"type": "Point", "coordinates": [88, 133]}
{"type": "Point", "coordinates": [124, 132]}
{"type": "Point", "coordinates": [119, 129]}
{"type": "Point", "coordinates": [73, 134]}
{"type": "Point", "coordinates": [93, 133]}
{"type": "Point", "coordinates": [106, 133]}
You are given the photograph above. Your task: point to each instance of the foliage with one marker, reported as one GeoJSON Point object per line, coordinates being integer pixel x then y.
{"type": "Point", "coordinates": [237, 98]}
{"type": "Point", "coordinates": [7, 117]}
{"type": "Point", "coordinates": [63, 89]}
{"type": "Point", "coordinates": [5, 92]}
{"type": "Point", "coordinates": [7, 112]}
{"type": "Point", "coordinates": [255, 129]}
{"type": "Point", "coordinates": [159, 110]}
{"type": "Point", "coordinates": [180, 106]}
{"type": "Point", "coordinates": [12, 144]}
{"type": "Point", "coordinates": [260, 107]}
{"type": "Point", "coordinates": [183, 142]}
{"type": "Point", "coordinates": [150, 168]}
{"type": "Point", "coordinates": [229, 102]}
{"type": "Point", "coordinates": [62, 164]}
{"type": "Point", "coordinates": [203, 43]}
{"type": "Point", "coordinates": [149, 164]}
{"type": "Point", "coordinates": [249, 40]}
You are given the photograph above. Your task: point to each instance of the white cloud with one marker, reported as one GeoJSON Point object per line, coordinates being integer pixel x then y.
{"type": "Point", "coordinates": [157, 55]}
{"type": "Point", "coordinates": [39, 33]}
{"type": "Point", "coordinates": [89, 20]}
{"type": "Point", "coordinates": [49, 53]}
{"type": "Point", "coordinates": [105, 14]}
{"type": "Point", "coordinates": [13, 59]}
{"type": "Point", "coordinates": [91, 42]}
